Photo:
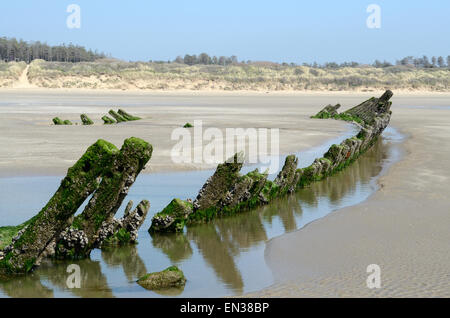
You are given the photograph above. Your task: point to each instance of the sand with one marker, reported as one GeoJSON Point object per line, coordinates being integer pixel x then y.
{"type": "Point", "coordinates": [32, 145]}
{"type": "Point", "coordinates": [403, 227]}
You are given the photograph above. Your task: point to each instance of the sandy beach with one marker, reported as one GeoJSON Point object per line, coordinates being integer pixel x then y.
{"type": "Point", "coordinates": [32, 145]}
{"type": "Point", "coordinates": [403, 227]}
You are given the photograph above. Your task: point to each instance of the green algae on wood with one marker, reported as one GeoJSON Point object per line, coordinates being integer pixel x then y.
{"type": "Point", "coordinates": [372, 108]}
{"type": "Point", "coordinates": [57, 121]}
{"type": "Point", "coordinates": [328, 112]}
{"type": "Point", "coordinates": [117, 178]}
{"type": "Point", "coordinates": [171, 277]}
{"type": "Point", "coordinates": [86, 120]}
{"type": "Point", "coordinates": [172, 218]}
{"type": "Point", "coordinates": [217, 185]}
{"type": "Point", "coordinates": [108, 120]}
{"type": "Point", "coordinates": [127, 116]}
{"type": "Point", "coordinates": [288, 177]}
{"type": "Point", "coordinates": [103, 171]}
{"type": "Point", "coordinates": [82, 180]}
{"type": "Point", "coordinates": [117, 117]}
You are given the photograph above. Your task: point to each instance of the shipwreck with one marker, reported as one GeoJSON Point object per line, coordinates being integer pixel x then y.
{"type": "Point", "coordinates": [228, 192]}
{"type": "Point", "coordinates": [104, 174]}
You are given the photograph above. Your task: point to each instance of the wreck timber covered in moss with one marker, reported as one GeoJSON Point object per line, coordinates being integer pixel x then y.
{"type": "Point", "coordinates": [124, 230]}
{"type": "Point", "coordinates": [85, 120]}
{"type": "Point", "coordinates": [80, 182]}
{"type": "Point", "coordinates": [117, 180]}
{"type": "Point", "coordinates": [173, 218]}
{"type": "Point", "coordinates": [329, 111]}
{"type": "Point", "coordinates": [108, 120]}
{"type": "Point", "coordinates": [227, 192]}
{"type": "Point", "coordinates": [127, 116]}
{"type": "Point", "coordinates": [120, 116]}
{"type": "Point", "coordinates": [58, 121]}
{"type": "Point", "coordinates": [116, 116]}
{"type": "Point", "coordinates": [103, 171]}
{"type": "Point", "coordinates": [171, 277]}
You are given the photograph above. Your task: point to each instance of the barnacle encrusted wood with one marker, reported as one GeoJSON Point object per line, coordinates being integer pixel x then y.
{"type": "Point", "coordinates": [81, 181]}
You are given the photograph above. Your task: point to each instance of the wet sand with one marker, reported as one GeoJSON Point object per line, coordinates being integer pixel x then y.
{"type": "Point", "coordinates": [403, 227]}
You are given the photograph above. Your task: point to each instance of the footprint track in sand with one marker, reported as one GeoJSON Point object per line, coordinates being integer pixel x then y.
{"type": "Point", "coordinates": [23, 81]}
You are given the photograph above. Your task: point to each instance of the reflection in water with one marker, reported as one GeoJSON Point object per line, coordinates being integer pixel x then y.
{"type": "Point", "coordinates": [216, 253]}
{"type": "Point", "coordinates": [233, 247]}
{"type": "Point", "coordinates": [28, 286]}
{"type": "Point", "coordinates": [92, 279]}
{"type": "Point", "coordinates": [175, 245]}
{"type": "Point", "coordinates": [285, 209]}
{"type": "Point", "coordinates": [346, 182]}
{"type": "Point", "coordinates": [126, 257]}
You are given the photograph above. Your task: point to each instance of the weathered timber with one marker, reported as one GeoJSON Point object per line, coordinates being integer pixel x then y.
{"type": "Point", "coordinates": [124, 230]}
{"type": "Point", "coordinates": [117, 117]}
{"type": "Point", "coordinates": [171, 277]}
{"type": "Point", "coordinates": [81, 181]}
{"type": "Point", "coordinates": [288, 177]}
{"type": "Point", "coordinates": [116, 181]}
{"type": "Point", "coordinates": [328, 112]}
{"type": "Point", "coordinates": [108, 120]}
{"type": "Point", "coordinates": [58, 121]}
{"type": "Point", "coordinates": [217, 185]}
{"type": "Point", "coordinates": [172, 218]}
{"type": "Point", "coordinates": [372, 108]}
{"type": "Point", "coordinates": [107, 174]}
{"type": "Point", "coordinates": [127, 116]}
{"type": "Point", "coordinates": [86, 120]}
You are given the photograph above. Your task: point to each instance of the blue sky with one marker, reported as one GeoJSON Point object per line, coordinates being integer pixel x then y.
{"type": "Point", "coordinates": [277, 30]}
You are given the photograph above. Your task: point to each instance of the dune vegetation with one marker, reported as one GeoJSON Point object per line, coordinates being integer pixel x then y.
{"type": "Point", "coordinates": [256, 76]}
{"type": "Point", "coordinates": [10, 72]}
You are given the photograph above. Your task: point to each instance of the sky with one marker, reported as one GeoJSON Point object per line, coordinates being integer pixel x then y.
{"type": "Point", "coordinates": [278, 30]}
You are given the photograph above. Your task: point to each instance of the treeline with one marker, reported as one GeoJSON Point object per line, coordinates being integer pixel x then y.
{"type": "Point", "coordinates": [420, 62]}
{"type": "Point", "coordinates": [424, 62]}
{"type": "Point", "coordinates": [19, 50]}
{"type": "Point", "coordinates": [205, 59]}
